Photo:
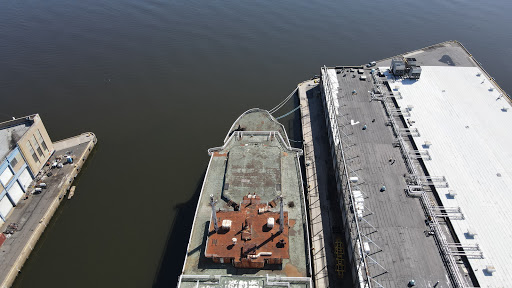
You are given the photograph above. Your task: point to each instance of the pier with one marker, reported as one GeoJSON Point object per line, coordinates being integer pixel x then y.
{"type": "Point", "coordinates": [318, 251]}
{"type": "Point", "coordinates": [33, 213]}
{"type": "Point", "coordinates": [328, 248]}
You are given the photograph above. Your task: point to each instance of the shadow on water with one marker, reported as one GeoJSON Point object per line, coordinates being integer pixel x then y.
{"type": "Point", "coordinates": [177, 240]}
{"type": "Point", "coordinates": [19, 280]}
{"type": "Point", "coordinates": [296, 124]}
{"type": "Point", "coordinates": [292, 122]}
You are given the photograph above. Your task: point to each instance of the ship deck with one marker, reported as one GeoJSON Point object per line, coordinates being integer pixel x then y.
{"type": "Point", "coordinates": [250, 161]}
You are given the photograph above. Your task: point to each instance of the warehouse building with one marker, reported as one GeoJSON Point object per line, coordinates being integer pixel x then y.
{"type": "Point", "coordinates": [25, 147]}
{"type": "Point", "coordinates": [423, 169]}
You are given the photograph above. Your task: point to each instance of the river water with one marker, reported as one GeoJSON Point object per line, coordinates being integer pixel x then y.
{"type": "Point", "coordinates": [159, 82]}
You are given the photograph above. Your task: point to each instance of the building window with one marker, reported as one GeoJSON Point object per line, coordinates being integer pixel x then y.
{"type": "Point", "coordinates": [41, 140]}
{"type": "Point", "coordinates": [14, 162]}
{"type": "Point", "coordinates": [6, 176]}
{"type": "Point", "coordinates": [38, 148]}
{"type": "Point", "coordinates": [31, 151]}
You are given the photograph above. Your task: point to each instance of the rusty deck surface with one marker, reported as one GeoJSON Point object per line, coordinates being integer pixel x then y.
{"type": "Point", "coordinates": [249, 242]}
{"type": "Point", "coordinates": [261, 164]}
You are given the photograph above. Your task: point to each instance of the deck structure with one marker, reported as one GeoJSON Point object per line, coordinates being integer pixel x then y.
{"type": "Point", "coordinates": [244, 183]}
{"type": "Point", "coordinates": [248, 237]}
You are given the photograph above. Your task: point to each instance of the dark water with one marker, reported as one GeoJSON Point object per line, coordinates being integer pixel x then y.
{"type": "Point", "coordinates": [159, 82]}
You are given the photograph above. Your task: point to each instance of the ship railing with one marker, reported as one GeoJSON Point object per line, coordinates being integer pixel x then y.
{"type": "Point", "coordinates": [238, 135]}
{"type": "Point", "coordinates": [361, 264]}
{"type": "Point", "coordinates": [269, 116]}
{"type": "Point", "coordinates": [286, 281]}
{"type": "Point", "coordinates": [305, 217]}
{"type": "Point", "coordinates": [198, 278]}
{"type": "Point", "coordinates": [270, 280]}
{"type": "Point", "coordinates": [194, 223]}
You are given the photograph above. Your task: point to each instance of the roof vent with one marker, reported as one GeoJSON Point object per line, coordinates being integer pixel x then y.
{"type": "Point", "coordinates": [451, 194]}
{"type": "Point", "coordinates": [366, 247]}
{"type": "Point", "coordinates": [427, 144]}
{"type": "Point", "coordinates": [471, 233]}
{"type": "Point", "coordinates": [490, 269]}
{"type": "Point", "coordinates": [263, 209]}
{"type": "Point", "coordinates": [226, 224]}
{"type": "Point", "coordinates": [270, 222]}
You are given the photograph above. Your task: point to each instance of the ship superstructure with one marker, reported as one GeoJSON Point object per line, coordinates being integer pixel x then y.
{"type": "Point", "coordinates": [250, 228]}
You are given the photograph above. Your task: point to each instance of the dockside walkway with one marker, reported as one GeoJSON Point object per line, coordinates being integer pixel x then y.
{"type": "Point", "coordinates": [33, 214]}
{"type": "Point", "coordinates": [318, 251]}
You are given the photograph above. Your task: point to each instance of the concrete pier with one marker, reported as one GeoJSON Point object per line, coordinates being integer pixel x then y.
{"type": "Point", "coordinates": [320, 270]}
{"type": "Point", "coordinates": [324, 213]}
{"type": "Point", "coordinates": [33, 214]}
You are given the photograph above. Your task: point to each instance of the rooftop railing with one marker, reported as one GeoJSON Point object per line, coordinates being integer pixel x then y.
{"type": "Point", "coordinates": [486, 73]}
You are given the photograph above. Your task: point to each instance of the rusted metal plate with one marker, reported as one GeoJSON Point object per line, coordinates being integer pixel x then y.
{"type": "Point", "coordinates": [250, 242]}
{"type": "Point", "coordinates": [218, 154]}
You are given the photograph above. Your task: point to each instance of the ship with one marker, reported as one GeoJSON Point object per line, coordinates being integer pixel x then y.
{"type": "Point", "coordinates": [250, 227]}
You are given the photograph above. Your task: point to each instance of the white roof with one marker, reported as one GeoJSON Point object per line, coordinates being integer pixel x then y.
{"type": "Point", "coordinates": [471, 138]}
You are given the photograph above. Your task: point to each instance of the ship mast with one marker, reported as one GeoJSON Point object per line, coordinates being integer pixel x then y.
{"type": "Point", "coordinates": [214, 214]}
{"type": "Point", "coordinates": [281, 215]}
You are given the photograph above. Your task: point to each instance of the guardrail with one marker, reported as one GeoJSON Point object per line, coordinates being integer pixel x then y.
{"type": "Point", "coordinates": [442, 244]}
{"type": "Point", "coordinates": [486, 73]}
{"type": "Point", "coordinates": [270, 134]}
{"type": "Point", "coordinates": [268, 115]}
{"type": "Point", "coordinates": [276, 280]}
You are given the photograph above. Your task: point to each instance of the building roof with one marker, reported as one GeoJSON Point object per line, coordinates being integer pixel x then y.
{"type": "Point", "coordinates": [393, 224]}
{"type": "Point", "coordinates": [465, 171]}
{"type": "Point", "coordinates": [460, 111]}
{"type": "Point", "coordinates": [11, 132]}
